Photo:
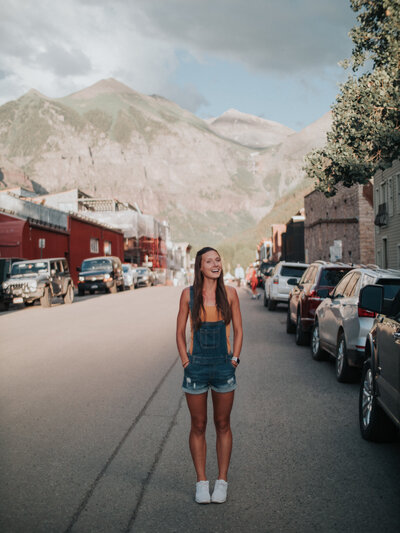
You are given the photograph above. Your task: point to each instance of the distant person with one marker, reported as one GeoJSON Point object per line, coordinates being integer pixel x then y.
{"type": "Point", "coordinates": [254, 284]}
{"type": "Point", "coordinates": [209, 363]}
{"type": "Point", "coordinates": [239, 274]}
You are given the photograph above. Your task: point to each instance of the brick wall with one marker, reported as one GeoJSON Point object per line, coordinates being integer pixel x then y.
{"type": "Point", "coordinates": [348, 217]}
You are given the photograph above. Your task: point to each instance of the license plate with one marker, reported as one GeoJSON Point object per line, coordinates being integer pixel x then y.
{"type": "Point", "coordinates": [95, 286]}
{"type": "Point", "coordinates": [18, 300]}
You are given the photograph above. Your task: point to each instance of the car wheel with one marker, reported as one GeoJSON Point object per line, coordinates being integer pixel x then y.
{"type": "Point", "coordinates": [69, 295]}
{"type": "Point", "coordinates": [375, 425]}
{"type": "Point", "coordinates": [290, 327]}
{"type": "Point", "coordinates": [302, 337]}
{"type": "Point", "coordinates": [81, 292]}
{"type": "Point", "coordinates": [271, 305]}
{"type": "Point", "coordinates": [45, 300]}
{"type": "Point", "coordinates": [121, 287]}
{"type": "Point", "coordinates": [29, 304]}
{"type": "Point", "coordinates": [91, 291]}
{"type": "Point", "coordinates": [344, 373]}
{"type": "Point", "coordinates": [317, 353]}
{"type": "Point", "coordinates": [113, 288]}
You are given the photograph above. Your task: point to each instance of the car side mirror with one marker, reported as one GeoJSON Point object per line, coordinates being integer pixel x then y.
{"type": "Point", "coordinates": [371, 298]}
{"type": "Point", "coordinates": [293, 281]}
{"type": "Point", "coordinates": [8, 275]}
{"type": "Point", "coordinates": [78, 269]}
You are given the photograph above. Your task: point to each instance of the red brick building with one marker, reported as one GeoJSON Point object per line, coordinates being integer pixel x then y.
{"type": "Point", "coordinates": [340, 227]}
{"type": "Point", "coordinates": [33, 231]}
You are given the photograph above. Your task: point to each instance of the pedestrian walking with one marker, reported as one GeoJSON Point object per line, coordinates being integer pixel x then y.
{"type": "Point", "coordinates": [209, 364]}
{"type": "Point", "coordinates": [254, 284]}
{"type": "Point", "coordinates": [239, 274]}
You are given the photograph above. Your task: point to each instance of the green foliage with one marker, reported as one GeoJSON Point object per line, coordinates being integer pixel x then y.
{"type": "Point", "coordinates": [365, 134]}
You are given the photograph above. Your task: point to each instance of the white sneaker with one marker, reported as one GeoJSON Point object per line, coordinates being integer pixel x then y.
{"type": "Point", "coordinates": [220, 491]}
{"type": "Point", "coordinates": [202, 492]}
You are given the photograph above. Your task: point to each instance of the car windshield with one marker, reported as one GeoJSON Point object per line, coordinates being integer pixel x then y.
{"type": "Point", "coordinates": [19, 269]}
{"type": "Point", "coordinates": [141, 270]}
{"type": "Point", "coordinates": [292, 271]}
{"type": "Point", "coordinates": [390, 287]}
{"type": "Point", "coordinates": [330, 277]}
{"type": "Point", "coordinates": [96, 264]}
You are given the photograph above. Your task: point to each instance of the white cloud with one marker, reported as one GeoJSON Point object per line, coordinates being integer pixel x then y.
{"type": "Point", "coordinates": [60, 47]}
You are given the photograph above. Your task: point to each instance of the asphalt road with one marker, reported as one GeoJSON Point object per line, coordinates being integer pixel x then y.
{"type": "Point", "coordinates": [94, 428]}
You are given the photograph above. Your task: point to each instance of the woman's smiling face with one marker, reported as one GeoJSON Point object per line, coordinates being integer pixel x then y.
{"type": "Point", "coordinates": [211, 265]}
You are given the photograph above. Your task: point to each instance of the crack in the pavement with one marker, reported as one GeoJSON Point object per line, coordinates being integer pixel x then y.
{"type": "Point", "coordinates": [90, 491]}
{"type": "Point", "coordinates": [152, 469]}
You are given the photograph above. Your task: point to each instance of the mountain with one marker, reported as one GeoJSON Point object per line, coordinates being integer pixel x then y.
{"type": "Point", "coordinates": [249, 130]}
{"type": "Point", "coordinates": [110, 140]}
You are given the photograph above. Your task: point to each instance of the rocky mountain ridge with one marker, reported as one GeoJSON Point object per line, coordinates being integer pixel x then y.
{"type": "Point", "coordinates": [110, 140]}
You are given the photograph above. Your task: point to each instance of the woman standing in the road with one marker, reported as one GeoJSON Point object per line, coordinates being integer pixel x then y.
{"type": "Point", "coordinates": [209, 363]}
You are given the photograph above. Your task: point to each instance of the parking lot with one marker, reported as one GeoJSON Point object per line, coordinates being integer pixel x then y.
{"type": "Point", "coordinates": [95, 428]}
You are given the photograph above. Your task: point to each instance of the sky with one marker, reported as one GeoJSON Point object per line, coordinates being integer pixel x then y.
{"type": "Point", "coordinates": [276, 59]}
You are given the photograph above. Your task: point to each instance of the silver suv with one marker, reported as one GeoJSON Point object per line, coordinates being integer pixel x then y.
{"type": "Point", "coordinates": [341, 326]}
{"type": "Point", "coordinates": [39, 279]}
{"type": "Point", "coordinates": [276, 287]}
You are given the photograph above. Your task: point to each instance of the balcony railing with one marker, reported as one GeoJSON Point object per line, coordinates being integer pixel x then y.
{"type": "Point", "coordinates": [382, 217]}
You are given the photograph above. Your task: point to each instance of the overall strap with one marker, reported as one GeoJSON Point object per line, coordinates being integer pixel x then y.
{"type": "Point", "coordinates": [191, 298]}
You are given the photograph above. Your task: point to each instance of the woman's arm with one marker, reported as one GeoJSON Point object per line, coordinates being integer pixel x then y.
{"type": "Point", "coordinates": [181, 326]}
{"type": "Point", "coordinates": [237, 323]}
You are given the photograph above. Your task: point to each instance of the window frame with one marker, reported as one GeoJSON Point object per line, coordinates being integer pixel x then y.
{"type": "Point", "coordinates": [94, 245]}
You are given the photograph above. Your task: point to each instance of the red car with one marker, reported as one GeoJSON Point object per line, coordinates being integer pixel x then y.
{"type": "Point", "coordinates": [315, 284]}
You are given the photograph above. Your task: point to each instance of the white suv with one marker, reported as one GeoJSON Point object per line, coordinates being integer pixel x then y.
{"type": "Point", "coordinates": [276, 285]}
{"type": "Point", "coordinates": [341, 326]}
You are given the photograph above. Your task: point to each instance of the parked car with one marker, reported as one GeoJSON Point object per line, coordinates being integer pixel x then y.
{"type": "Point", "coordinates": [5, 271]}
{"type": "Point", "coordinates": [263, 272]}
{"type": "Point", "coordinates": [379, 400]}
{"type": "Point", "coordinates": [313, 287]}
{"type": "Point", "coordinates": [146, 277]}
{"type": "Point", "coordinates": [160, 275]}
{"type": "Point", "coordinates": [276, 285]}
{"type": "Point", "coordinates": [130, 276]}
{"type": "Point", "coordinates": [100, 274]}
{"type": "Point", "coordinates": [342, 325]}
{"type": "Point", "coordinates": [39, 279]}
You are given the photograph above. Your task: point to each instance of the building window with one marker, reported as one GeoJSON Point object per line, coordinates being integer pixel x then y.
{"type": "Point", "coordinates": [376, 201]}
{"type": "Point", "coordinates": [107, 248]}
{"type": "Point", "coordinates": [382, 193]}
{"type": "Point", "coordinates": [94, 246]}
{"type": "Point", "coordinates": [384, 253]}
{"type": "Point", "coordinates": [390, 197]}
{"type": "Point", "coordinates": [397, 181]}
{"type": "Point", "coordinates": [398, 256]}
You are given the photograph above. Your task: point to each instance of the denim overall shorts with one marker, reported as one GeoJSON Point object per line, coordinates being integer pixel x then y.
{"type": "Point", "coordinates": [210, 364]}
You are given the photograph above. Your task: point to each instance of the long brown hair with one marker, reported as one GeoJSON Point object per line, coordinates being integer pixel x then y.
{"type": "Point", "coordinates": [220, 295]}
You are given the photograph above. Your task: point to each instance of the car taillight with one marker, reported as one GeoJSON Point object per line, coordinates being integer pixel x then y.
{"type": "Point", "coordinates": [275, 281]}
{"type": "Point", "coordinates": [314, 295]}
{"type": "Point", "coordinates": [366, 313]}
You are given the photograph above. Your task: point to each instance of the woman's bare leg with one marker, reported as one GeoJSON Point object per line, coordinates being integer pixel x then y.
{"type": "Point", "coordinates": [222, 412]}
{"type": "Point", "coordinates": [197, 404]}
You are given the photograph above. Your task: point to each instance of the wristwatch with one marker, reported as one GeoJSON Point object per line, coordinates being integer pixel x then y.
{"type": "Point", "coordinates": [236, 359]}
